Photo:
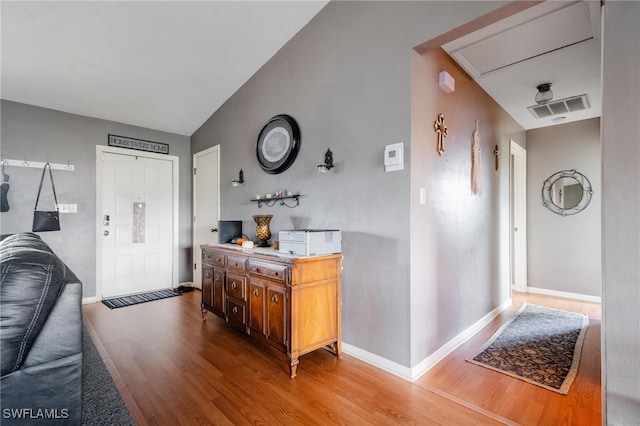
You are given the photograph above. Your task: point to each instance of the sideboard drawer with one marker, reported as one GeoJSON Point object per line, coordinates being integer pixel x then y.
{"type": "Point", "coordinates": [270, 270]}
{"type": "Point", "coordinates": [236, 286]}
{"type": "Point", "coordinates": [236, 312]}
{"type": "Point", "coordinates": [237, 262]}
{"type": "Point", "coordinates": [214, 258]}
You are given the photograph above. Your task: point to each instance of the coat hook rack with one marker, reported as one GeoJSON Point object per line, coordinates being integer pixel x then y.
{"type": "Point", "coordinates": [38, 165]}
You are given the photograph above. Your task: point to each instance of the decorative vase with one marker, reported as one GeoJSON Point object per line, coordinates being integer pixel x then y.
{"type": "Point", "coordinates": [263, 233]}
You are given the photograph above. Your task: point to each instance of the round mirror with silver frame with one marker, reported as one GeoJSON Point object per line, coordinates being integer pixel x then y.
{"type": "Point", "coordinates": [567, 192]}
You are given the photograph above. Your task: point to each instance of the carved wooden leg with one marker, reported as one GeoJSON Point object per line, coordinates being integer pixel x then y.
{"type": "Point", "coordinates": [293, 367]}
{"type": "Point", "coordinates": [204, 313]}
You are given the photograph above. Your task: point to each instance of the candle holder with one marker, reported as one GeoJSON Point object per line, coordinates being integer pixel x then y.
{"type": "Point", "coordinates": [263, 233]}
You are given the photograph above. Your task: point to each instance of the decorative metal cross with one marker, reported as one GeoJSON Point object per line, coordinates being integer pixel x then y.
{"type": "Point", "coordinates": [496, 152]}
{"type": "Point", "coordinates": [441, 130]}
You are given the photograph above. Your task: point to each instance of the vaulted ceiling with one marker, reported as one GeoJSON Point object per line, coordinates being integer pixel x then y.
{"type": "Point", "coordinates": [163, 65]}
{"type": "Point", "coordinates": [170, 65]}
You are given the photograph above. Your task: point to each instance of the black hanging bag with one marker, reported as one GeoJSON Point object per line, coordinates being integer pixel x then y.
{"type": "Point", "coordinates": [46, 220]}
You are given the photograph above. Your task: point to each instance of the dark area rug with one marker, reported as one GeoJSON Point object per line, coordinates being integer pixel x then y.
{"type": "Point", "coordinates": [134, 299]}
{"type": "Point", "coordinates": [539, 345]}
{"type": "Point", "coordinates": [102, 404]}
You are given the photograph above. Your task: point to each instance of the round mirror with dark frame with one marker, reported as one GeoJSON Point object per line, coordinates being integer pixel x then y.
{"type": "Point", "coordinates": [567, 192]}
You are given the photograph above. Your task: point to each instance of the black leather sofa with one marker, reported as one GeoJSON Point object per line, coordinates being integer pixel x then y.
{"type": "Point", "coordinates": [41, 335]}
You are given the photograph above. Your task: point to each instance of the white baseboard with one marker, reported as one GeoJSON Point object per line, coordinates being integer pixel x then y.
{"type": "Point", "coordinates": [437, 356]}
{"type": "Point", "coordinates": [576, 296]}
{"type": "Point", "coordinates": [377, 361]}
{"type": "Point", "coordinates": [86, 300]}
{"type": "Point", "coordinates": [413, 374]}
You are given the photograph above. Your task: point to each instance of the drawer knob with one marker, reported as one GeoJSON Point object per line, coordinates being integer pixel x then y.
{"type": "Point", "coordinates": [256, 293]}
{"type": "Point", "coordinates": [207, 275]}
{"type": "Point", "coordinates": [274, 298]}
{"type": "Point", "coordinates": [234, 286]}
{"type": "Point", "coordinates": [234, 310]}
{"type": "Point", "coordinates": [217, 278]}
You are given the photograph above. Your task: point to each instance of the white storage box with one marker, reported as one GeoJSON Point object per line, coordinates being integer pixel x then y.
{"type": "Point", "coordinates": [310, 242]}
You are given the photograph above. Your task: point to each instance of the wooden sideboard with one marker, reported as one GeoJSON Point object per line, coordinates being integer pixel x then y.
{"type": "Point", "coordinates": [291, 303]}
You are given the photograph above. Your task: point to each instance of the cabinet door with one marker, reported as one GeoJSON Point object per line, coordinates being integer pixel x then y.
{"type": "Point", "coordinates": [277, 316]}
{"type": "Point", "coordinates": [256, 308]}
{"type": "Point", "coordinates": [207, 286]}
{"type": "Point", "coordinates": [218, 291]}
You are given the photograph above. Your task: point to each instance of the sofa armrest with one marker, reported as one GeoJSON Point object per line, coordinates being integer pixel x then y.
{"type": "Point", "coordinates": [61, 334]}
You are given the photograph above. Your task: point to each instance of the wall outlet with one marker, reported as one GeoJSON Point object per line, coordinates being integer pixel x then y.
{"type": "Point", "coordinates": [68, 208]}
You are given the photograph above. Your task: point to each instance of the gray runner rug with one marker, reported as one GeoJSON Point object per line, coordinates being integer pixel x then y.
{"type": "Point", "coordinates": [134, 299]}
{"type": "Point", "coordinates": [539, 345]}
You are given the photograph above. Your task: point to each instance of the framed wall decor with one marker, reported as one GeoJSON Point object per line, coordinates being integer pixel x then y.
{"type": "Point", "coordinates": [278, 144]}
{"type": "Point", "coordinates": [138, 144]}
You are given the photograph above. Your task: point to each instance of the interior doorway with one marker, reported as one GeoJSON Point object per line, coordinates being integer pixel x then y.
{"type": "Point", "coordinates": [518, 185]}
{"type": "Point", "coordinates": [206, 204]}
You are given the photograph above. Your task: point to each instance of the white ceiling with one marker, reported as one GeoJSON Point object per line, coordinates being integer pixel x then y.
{"type": "Point", "coordinates": [170, 65]}
{"type": "Point", "coordinates": [555, 42]}
{"type": "Point", "coordinates": [162, 65]}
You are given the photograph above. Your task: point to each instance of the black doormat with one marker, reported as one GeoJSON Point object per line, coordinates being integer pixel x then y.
{"type": "Point", "coordinates": [134, 299]}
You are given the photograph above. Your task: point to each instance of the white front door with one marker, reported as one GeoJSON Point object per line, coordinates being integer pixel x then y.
{"type": "Point", "coordinates": [206, 202]}
{"type": "Point", "coordinates": [519, 217]}
{"type": "Point", "coordinates": [136, 222]}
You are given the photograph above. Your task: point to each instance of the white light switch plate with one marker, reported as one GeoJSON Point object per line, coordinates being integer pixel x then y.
{"type": "Point", "coordinates": [68, 208]}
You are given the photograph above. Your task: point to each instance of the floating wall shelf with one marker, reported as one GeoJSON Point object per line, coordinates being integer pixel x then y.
{"type": "Point", "coordinates": [270, 202]}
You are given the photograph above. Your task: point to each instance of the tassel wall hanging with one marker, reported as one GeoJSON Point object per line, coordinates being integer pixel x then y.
{"type": "Point", "coordinates": [475, 162]}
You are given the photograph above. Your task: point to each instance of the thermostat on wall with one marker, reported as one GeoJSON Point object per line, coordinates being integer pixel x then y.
{"type": "Point", "coordinates": [393, 158]}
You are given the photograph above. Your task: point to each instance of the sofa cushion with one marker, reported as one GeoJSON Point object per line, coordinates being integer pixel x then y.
{"type": "Point", "coordinates": [31, 278]}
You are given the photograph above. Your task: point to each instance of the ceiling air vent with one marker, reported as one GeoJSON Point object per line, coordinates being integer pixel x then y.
{"type": "Point", "coordinates": [562, 106]}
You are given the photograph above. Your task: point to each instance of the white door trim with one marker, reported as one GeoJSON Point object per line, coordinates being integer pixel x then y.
{"type": "Point", "coordinates": [100, 149]}
{"type": "Point", "coordinates": [194, 162]}
{"type": "Point", "coordinates": [519, 213]}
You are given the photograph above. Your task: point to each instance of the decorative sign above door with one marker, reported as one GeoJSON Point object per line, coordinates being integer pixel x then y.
{"type": "Point", "coordinates": [138, 144]}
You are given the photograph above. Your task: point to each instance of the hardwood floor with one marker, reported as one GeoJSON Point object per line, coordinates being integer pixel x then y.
{"type": "Point", "coordinates": [514, 399]}
{"type": "Point", "coordinates": [174, 369]}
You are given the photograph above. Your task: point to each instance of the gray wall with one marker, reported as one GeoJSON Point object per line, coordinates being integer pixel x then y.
{"type": "Point", "coordinates": [43, 134]}
{"type": "Point", "coordinates": [564, 252]}
{"type": "Point", "coordinates": [621, 212]}
{"type": "Point", "coordinates": [459, 241]}
{"type": "Point", "coordinates": [346, 79]}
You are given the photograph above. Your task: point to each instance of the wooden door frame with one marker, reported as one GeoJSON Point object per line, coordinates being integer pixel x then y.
{"type": "Point", "coordinates": [193, 200]}
{"type": "Point", "coordinates": [175, 234]}
{"type": "Point", "coordinates": [518, 208]}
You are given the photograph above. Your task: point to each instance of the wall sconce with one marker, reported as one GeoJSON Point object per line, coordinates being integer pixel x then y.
{"type": "Point", "coordinates": [239, 181]}
{"type": "Point", "coordinates": [328, 162]}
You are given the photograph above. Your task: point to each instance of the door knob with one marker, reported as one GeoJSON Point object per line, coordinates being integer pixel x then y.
{"type": "Point", "coordinates": [214, 229]}
{"type": "Point", "coordinates": [105, 233]}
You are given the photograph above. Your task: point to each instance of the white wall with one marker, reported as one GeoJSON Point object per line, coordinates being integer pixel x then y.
{"type": "Point", "coordinates": [564, 252]}
{"type": "Point", "coordinates": [621, 212]}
